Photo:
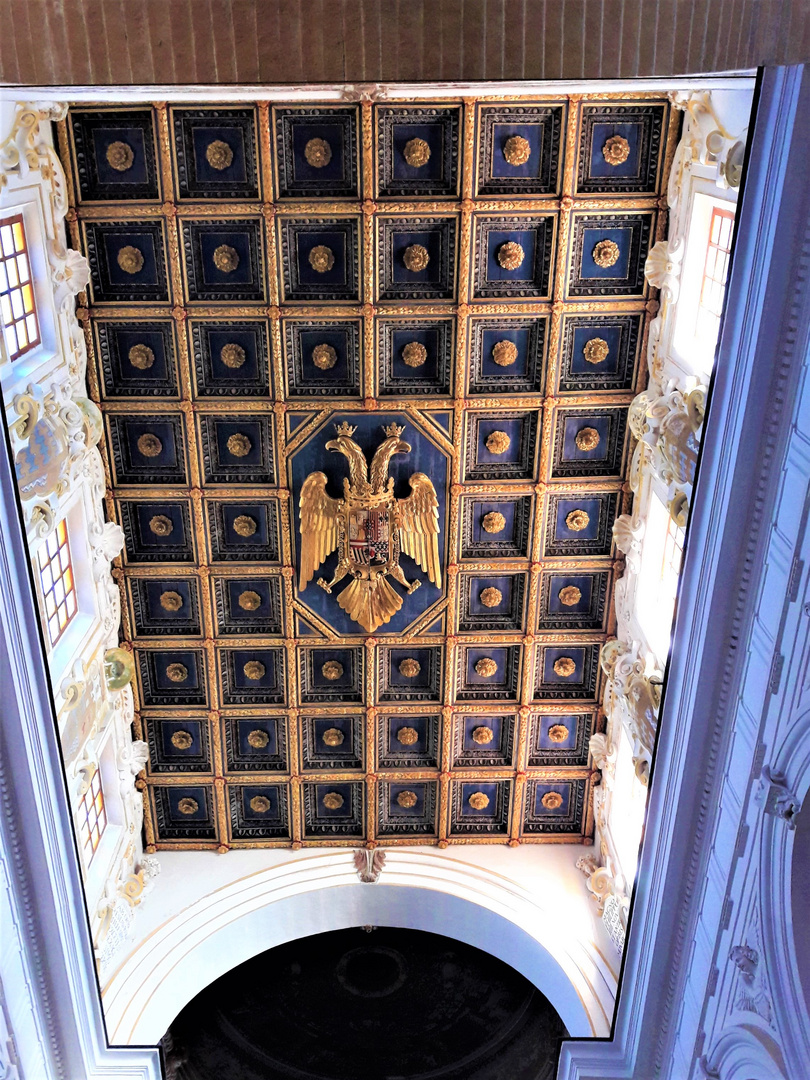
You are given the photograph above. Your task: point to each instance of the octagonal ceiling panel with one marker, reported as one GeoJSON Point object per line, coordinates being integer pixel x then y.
{"type": "Point", "coordinates": [365, 373]}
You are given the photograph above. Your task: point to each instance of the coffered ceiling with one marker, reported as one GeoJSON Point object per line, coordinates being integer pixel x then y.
{"type": "Point", "coordinates": [365, 373]}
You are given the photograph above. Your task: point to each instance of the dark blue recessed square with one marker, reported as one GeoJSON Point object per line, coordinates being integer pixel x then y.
{"type": "Point", "coordinates": [611, 335]}
{"type": "Point", "coordinates": [146, 451]}
{"type": "Point", "coordinates": [409, 724]}
{"type": "Point", "coordinates": [552, 655]}
{"type": "Point", "coordinates": [224, 260]}
{"type": "Point", "coordinates": [496, 239]}
{"type": "Point", "coordinates": [326, 808]}
{"type": "Point", "coordinates": [335, 339]}
{"type": "Point", "coordinates": [639, 131]}
{"type": "Point", "coordinates": [533, 127]}
{"type": "Point", "coordinates": [306, 168]}
{"type": "Point", "coordinates": [432, 242]}
{"type": "Point", "coordinates": [565, 531]}
{"type": "Point", "coordinates": [252, 746]}
{"type": "Point", "coordinates": [582, 582]}
{"type": "Point", "coordinates": [428, 337]}
{"type": "Point", "coordinates": [548, 725]}
{"type": "Point", "coordinates": [216, 153]}
{"type": "Point", "coordinates": [137, 174]}
{"type": "Point", "coordinates": [261, 803]}
{"type": "Point", "coordinates": [235, 529]}
{"type": "Point", "coordinates": [519, 336]}
{"type": "Point", "coordinates": [153, 532]}
{"type": "Point", "coordinates": [174, 738]}
{"type": "Point", "coordinates": [512, 453]}
{"type": "Point", "coordinates": [434, 173]}
{"type": "Point", "coordinates": [176, 670]}
{"type": "Point", "coordinates": [490, 790]}
{"type": "Point", "coordinates": [530, 280]}
{"type": "Point", "coordinates": [398, 658]}
{"type": "Point", "coordinates": [306, 243]}
{"type": "Point", "coordinates": [335, 168]}
{"type": "Point", "coordinates": [211, 246]}
{"type": "Point", "coordinates": [494, 542]}
{"type": "Point", "coordinates": [622, 238]}
{"type": "Point", "coordinates": [541, 790]}
{"type": "Point", "coordinates": [331, 679]}
{"type": "Point", "coordinates": [404, 809]}
{"type": "Point", "coordinates": [475, 655]}
{"type": "Point", "coordinates": [343, 724]}
{"type": "Point", "coordinates": [599, 164]}
{"type": "Point", "coordinates": [159, 610]}
{"type": "Point", "coordinates": [203, 137]}
{"type": "Point", "coordinates": [181, 804]}
{"type": "Point", "coordinates": [114, 154]}
{"type": "Point", "coordinates": [127, 261]}
{"type": "Point", "coordinates": [150, 347]}
{"type": "Point", "coordinates": [505, 584]}
{"type": "Point", "coordinates": [534, 134]}
{"type": "Point", "coordinates": [117, 247]}
{"type": "Point", "coordinates": [474, 724]}
{"type": "Point", "coordinates": [232, 360]}
{"type": "Point", "coordinates": [433, 135]}
{"type": "Point", "coordinates": [249, 599]}
{"type": "Point", "coordinates": [254, 669]}
{"type": "Point", "coordinates": [244, 452]}
{"type": "Point", "coordinates": [572, 426]}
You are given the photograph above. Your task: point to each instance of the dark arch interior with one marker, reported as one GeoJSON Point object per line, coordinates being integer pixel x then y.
{"type": "Point", "coordinates": [376, 1004]}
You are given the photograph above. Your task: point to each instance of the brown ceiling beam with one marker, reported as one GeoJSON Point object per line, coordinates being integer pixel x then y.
{"type": "Point", "coordinates": [108, 42]}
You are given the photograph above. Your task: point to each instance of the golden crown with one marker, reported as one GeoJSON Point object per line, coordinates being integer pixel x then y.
{"type": "Point", "coordinates": [393, 431]}
{"type": "Point", "coordinates": [345, 429]}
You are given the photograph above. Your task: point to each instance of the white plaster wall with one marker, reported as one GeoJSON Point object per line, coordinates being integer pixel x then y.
{"type": "Point", "coordinates": [525, 905]}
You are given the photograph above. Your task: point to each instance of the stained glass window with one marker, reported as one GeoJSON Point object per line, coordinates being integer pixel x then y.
{"type": "Point", "coordinates": [58, 586]}
{"type": "Point", "coordinates": [92, 817]}
{"type": "Point", "coordinates": [17, 306]}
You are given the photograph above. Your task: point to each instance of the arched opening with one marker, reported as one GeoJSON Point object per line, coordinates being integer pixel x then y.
{"type": "Point", "coordinates": [229, 926]}
{"type": "Point", "coordinates": [377, 1002]}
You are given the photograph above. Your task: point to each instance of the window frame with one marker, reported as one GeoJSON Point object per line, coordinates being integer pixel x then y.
{"type": "Point", "coordinates": [64, 571]}
{"type": "Point", "coordinates": [95, 789]}
{"type": "Point", "coordinates": [9, 290]}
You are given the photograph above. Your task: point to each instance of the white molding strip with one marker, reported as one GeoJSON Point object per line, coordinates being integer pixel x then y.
{"type": "Point", "coordinates": [375, 91]}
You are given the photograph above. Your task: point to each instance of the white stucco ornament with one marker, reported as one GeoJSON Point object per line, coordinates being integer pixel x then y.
{"type": "Point", "coordinates": [663, 268]}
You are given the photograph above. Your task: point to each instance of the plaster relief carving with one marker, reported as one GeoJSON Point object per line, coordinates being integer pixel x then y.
{"type": "Point", "coordinates": [777, 798]}
{"type": "Point", "coordinates": [663, 267]}
{"type": "Point", "coordinates": [369, 864]}
{"type": "Point", "coordinates": [751, 995]}
{"type": "Point", "coordinates": [608, 893]}
{"type": "Point", "coordinates": [633, 696]}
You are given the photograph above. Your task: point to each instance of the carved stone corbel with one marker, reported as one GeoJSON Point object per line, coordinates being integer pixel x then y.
{"type": "Point", "coordinates": [776, 797]}
{"type": "Point", "coordinates": [369, 864]}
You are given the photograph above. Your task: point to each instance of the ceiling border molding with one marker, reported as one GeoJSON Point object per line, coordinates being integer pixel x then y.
{"type": "Point", "coordinates": [318, 92]}
{"type": "Point", "coordinates": [719, 649]}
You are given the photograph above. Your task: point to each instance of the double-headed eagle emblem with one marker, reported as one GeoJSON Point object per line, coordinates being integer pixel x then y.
{"type": "Point", "coordinates": [370, 529]}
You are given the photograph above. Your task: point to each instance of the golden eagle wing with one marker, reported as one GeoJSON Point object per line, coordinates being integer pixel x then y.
{"type": "Point", "coordinates": [419, 526]}
{"type": "Point", "coordinates": [320, 516]}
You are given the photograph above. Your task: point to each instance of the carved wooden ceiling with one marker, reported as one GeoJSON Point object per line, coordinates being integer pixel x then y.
{"type": "Point", "coordinates": [452, 290]}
